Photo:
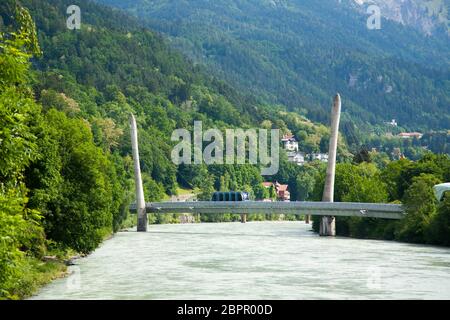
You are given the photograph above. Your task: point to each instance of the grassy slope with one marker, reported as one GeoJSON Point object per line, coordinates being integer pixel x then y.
{"type": "Point", "coordinates": [34, 274]}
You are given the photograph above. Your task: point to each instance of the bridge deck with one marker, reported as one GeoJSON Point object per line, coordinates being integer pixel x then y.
{"type": "Point", "coordinates": [348, 209]}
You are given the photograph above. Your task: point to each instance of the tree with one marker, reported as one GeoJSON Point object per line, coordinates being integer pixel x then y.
{"type": "Point", "coordinates": [420, 206]}
{"type": "Point", "coordinates": [305, 186]}
{"type": "Point", "coordinates": [224, 182]}
{"type": "Point", "coordinates": [106, 133]}
{"type": "Point", "coordinates": [207, 189]}
{"type": "Point", "coordinates": [381, 159]}
{"type": "Point", "coordinates": [80, 213]}
{"type": "Point", "coordinates": [20, 229]}
{"type": "Point", "coordinates": [439, 229]}
{"type": "Point", "coordinates": [272, 192]}
{"type": "Point", "coordinates": [393, 176]}
{"type": "Point", "coordinates": [362, 156]}
{"type": "Point", "coordinates": [261, 192]}
{"type": "Point", "coordinates": [153, 190]}
{"type": "Point", "coordinates": [354, 183]}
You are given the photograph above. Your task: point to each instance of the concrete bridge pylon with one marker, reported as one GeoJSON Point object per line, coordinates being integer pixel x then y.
{"type": "Point", "coordinates": [328, 223]}
{"type": "Point", "coordinates": [140, 201]}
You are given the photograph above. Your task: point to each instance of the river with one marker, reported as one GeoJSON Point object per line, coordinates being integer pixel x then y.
{"type": "Point", "coordinates": [257, 260]}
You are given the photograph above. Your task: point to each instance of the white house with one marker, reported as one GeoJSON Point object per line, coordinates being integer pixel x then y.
{"type": "Point", "coordinates": [319, 156]}
{"type": "Point", "coordinates": [299, 158]}
{"type": "Point", "coordinates": [410, 135]}
{"type": "Point", "coordinates": [289, 143]}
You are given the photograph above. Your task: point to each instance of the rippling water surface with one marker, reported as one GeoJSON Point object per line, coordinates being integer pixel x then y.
{"type": "Point", "coordinates": [260, 260]}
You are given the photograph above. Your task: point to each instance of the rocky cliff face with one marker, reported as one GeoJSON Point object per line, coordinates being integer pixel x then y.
{"type": "Point", "coordinates": [429, 16]}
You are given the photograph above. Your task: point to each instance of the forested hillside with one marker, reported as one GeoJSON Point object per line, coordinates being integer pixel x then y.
{"type": "Point", "coordinates": [298, 53]}
{"type": "Point", "coordinates": [66, 97]}
{"type": "Point", "coordinates": [112, 67]}
{"type": "Point", "coordinates": [66, 172]}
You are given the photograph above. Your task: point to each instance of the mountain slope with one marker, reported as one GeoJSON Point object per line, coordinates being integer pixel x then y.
{"type": "Point", "coordinates": [114, 66]}
{"type": "Point", "coordinates": [299, 53]}
{"type": "Point", "coordinates": [429, 16]}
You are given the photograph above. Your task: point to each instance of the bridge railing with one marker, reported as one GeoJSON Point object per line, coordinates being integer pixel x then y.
{"type": "Point", "coordinates": [346, 209]}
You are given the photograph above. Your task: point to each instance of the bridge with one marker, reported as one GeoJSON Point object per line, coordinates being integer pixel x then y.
{"type": "Point", "coordinates": [328, 209]}
{"type": "Point", "coordinates": [343, 209]}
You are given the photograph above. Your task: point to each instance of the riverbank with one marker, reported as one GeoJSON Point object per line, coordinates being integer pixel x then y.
{"type": "Point", "coordinates": [34, 274]}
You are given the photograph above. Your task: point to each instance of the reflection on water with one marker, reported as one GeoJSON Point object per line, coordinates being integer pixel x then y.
{"type": "Point", "coordinates": [261, 260]}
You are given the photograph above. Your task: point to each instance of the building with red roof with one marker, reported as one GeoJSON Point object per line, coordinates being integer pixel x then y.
{"type": "Point", "coordinates": [281, 190]}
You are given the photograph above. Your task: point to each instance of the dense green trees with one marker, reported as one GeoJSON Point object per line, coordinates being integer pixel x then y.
{"type": "Point", "coordinates": [20, 230]}
{"type": "Point", "coordinates": [56, 185]}
{"type": "Point", "coordinates": [420, 206]}
{"type": "Point", "coordinates": [305, 183]}
{"type": "Point", "coordinates": [74, 184]}
{"type": "Point", "coordinates": [402, 181]}
{"type": "Point", "coordinates": [439, 228]}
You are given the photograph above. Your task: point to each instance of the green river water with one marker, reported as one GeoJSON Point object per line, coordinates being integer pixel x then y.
{"type": "Point", "coordinates": [257, 260]}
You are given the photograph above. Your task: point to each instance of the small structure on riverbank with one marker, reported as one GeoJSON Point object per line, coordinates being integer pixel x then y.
{"type": "Point", "coordinates": [440, 190]}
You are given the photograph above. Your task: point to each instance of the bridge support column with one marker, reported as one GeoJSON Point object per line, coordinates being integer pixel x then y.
{"type": "Point", "coordinates": [243, 217]}
{"type": "Point", "coordinates": [307, 219]}
{"type": "Point", "coordinates": [140, 201]}
{"type": "Point", "coordinates": [327, 226]}
{"type": "Point", "coordinates": [328, 223]}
